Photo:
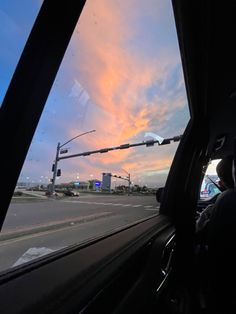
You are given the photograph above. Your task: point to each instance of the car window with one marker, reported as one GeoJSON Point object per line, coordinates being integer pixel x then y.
{"type": "Point", "coordinates": [108, 134]}
{"type": "Point", "coordinates": [16, 21]}
{"type": "Point", "coordinates": [210, 181]}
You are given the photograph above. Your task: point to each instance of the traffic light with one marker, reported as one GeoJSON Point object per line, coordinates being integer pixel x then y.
{"type": "Point", "coordinates": [58, 172]}
{"type": "Point", "coordinates": [149, 143]}
{"type": "Point", "coordinates": [107, 174]}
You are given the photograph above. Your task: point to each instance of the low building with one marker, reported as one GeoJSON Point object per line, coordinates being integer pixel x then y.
{"type": "Point", "coordinates": [82, 185]}
{"type": "Point", "coordinates": [95, 185]}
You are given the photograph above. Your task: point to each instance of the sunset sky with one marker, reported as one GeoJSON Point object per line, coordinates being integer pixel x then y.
{"type": "Point", "coordinates": [121, 75]}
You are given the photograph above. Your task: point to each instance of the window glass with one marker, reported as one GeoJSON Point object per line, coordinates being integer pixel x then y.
{"type": "Point", "coordinates": [209, 187]}
{"type": "Point", "coordinates": [16, 21]}
{"type": "Point", "coordinates": [122, 77]}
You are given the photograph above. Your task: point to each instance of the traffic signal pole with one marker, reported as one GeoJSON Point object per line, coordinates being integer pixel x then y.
{"type": "Point", "coordinates": [129, 183]}
{"type": "Point", "coordinates": [124, 146]}
{"type": "Point", "coordinates": [59, 146]}
{"type": "Point", "coordinates": [148, 143]}
{"type": "Point", "coordinates": [124, 178]}
{"type": "Point", "coordinates": [55, 169]}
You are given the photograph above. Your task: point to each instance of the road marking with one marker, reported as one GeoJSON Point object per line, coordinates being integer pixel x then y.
{"type": "Point", "coordinates": [146, 207]}
{"type": "Point", "coordinates": [33, 253]}
{"type": "Point", "coordinates": [51, 227]}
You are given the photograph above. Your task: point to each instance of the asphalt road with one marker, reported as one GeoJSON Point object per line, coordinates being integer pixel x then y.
{"type": "Point", "coordinates": [34, 212]}
{"type": "Point", "coordinates": [36, 227]}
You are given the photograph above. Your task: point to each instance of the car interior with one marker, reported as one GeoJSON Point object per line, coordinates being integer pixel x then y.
{"type": "Point", "coordinates": [151, 266]}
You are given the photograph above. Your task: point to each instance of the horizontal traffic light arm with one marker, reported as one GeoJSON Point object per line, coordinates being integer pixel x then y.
{"type": "Point", "coordinates": [124, 146]}
{"type": "Point", "coordinates": [120, 177]}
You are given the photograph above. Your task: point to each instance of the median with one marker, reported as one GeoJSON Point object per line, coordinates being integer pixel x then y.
{"type": "Point", "coordinates": [56, 225]}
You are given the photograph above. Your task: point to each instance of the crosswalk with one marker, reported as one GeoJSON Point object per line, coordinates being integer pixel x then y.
{"type": "Point", "coordinates": [145, 207]}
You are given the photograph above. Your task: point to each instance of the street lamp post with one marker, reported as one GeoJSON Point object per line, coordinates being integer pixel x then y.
{"type": "Point", "coordinates": [59, 146]}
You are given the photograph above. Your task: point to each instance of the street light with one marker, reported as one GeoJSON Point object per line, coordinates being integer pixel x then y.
{"type": "Point", "coordinates": [59, 146]}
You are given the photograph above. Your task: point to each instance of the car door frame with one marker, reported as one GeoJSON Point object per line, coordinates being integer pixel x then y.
{"type": "Point", "coordinates": [28, 285]}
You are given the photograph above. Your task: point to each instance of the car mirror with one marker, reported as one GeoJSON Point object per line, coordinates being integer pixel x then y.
{"type": "Point", "coordinates": [159, 194]}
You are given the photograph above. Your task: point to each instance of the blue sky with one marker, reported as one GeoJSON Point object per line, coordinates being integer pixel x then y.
{"type": "Point", "coordinates": [121, 75]}
{"type": "Point", "coordinates": [16, 20]}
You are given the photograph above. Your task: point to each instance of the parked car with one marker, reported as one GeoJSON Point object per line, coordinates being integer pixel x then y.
{"type": "Point", "coordinates": [48, 193]}
{"type": "Point", "coordinates": [71, 193]}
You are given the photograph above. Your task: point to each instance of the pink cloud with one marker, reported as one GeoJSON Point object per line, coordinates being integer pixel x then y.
{"type": "Point", "coordinates": [116, 82]}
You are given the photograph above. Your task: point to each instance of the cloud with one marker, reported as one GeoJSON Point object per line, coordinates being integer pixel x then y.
{"type": "Point", "coordinates": [121, 76]}
{"type": "Point", "coordinates": [115, 79]}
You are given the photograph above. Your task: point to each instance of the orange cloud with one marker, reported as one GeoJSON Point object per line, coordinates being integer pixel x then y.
{"type": "Point", "coordinates": [116, 81]}
{"type": "Point", "coordinates": [150, 165]}
{"type": "Point", "coordinates": [115, 78]}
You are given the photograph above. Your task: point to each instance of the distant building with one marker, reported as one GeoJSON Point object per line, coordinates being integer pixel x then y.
{"type": "Point", "coordinates": [26, 185]}
{"type": "Point", "coordinates": [106, 182]}
{"type": "Point", "coordinates": [91, 185]}
{"type": "Point", "coordinates": [82, 185]}
{"type": "Point", "coordinates": [95, 185]}
{"type": "Point", "coordinates": [21, 185]}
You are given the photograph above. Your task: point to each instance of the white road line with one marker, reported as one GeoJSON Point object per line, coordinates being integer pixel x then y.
{"type": "Point", "coordinates": [146, 207]}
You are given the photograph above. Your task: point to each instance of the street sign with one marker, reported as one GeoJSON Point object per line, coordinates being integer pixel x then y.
{"type": "Point", "coordinates": [64, 151]}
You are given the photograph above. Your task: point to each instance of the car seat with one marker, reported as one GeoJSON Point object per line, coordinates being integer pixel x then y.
{"type": "Point", "coordinates": [221, 253]}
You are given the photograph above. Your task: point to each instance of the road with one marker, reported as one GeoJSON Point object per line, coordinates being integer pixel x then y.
{"type": "Point", "coordinates": [36, 227]}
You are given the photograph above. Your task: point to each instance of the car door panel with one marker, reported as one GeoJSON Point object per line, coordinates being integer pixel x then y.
{"type": "Point", "coordinates": [68, 281]}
